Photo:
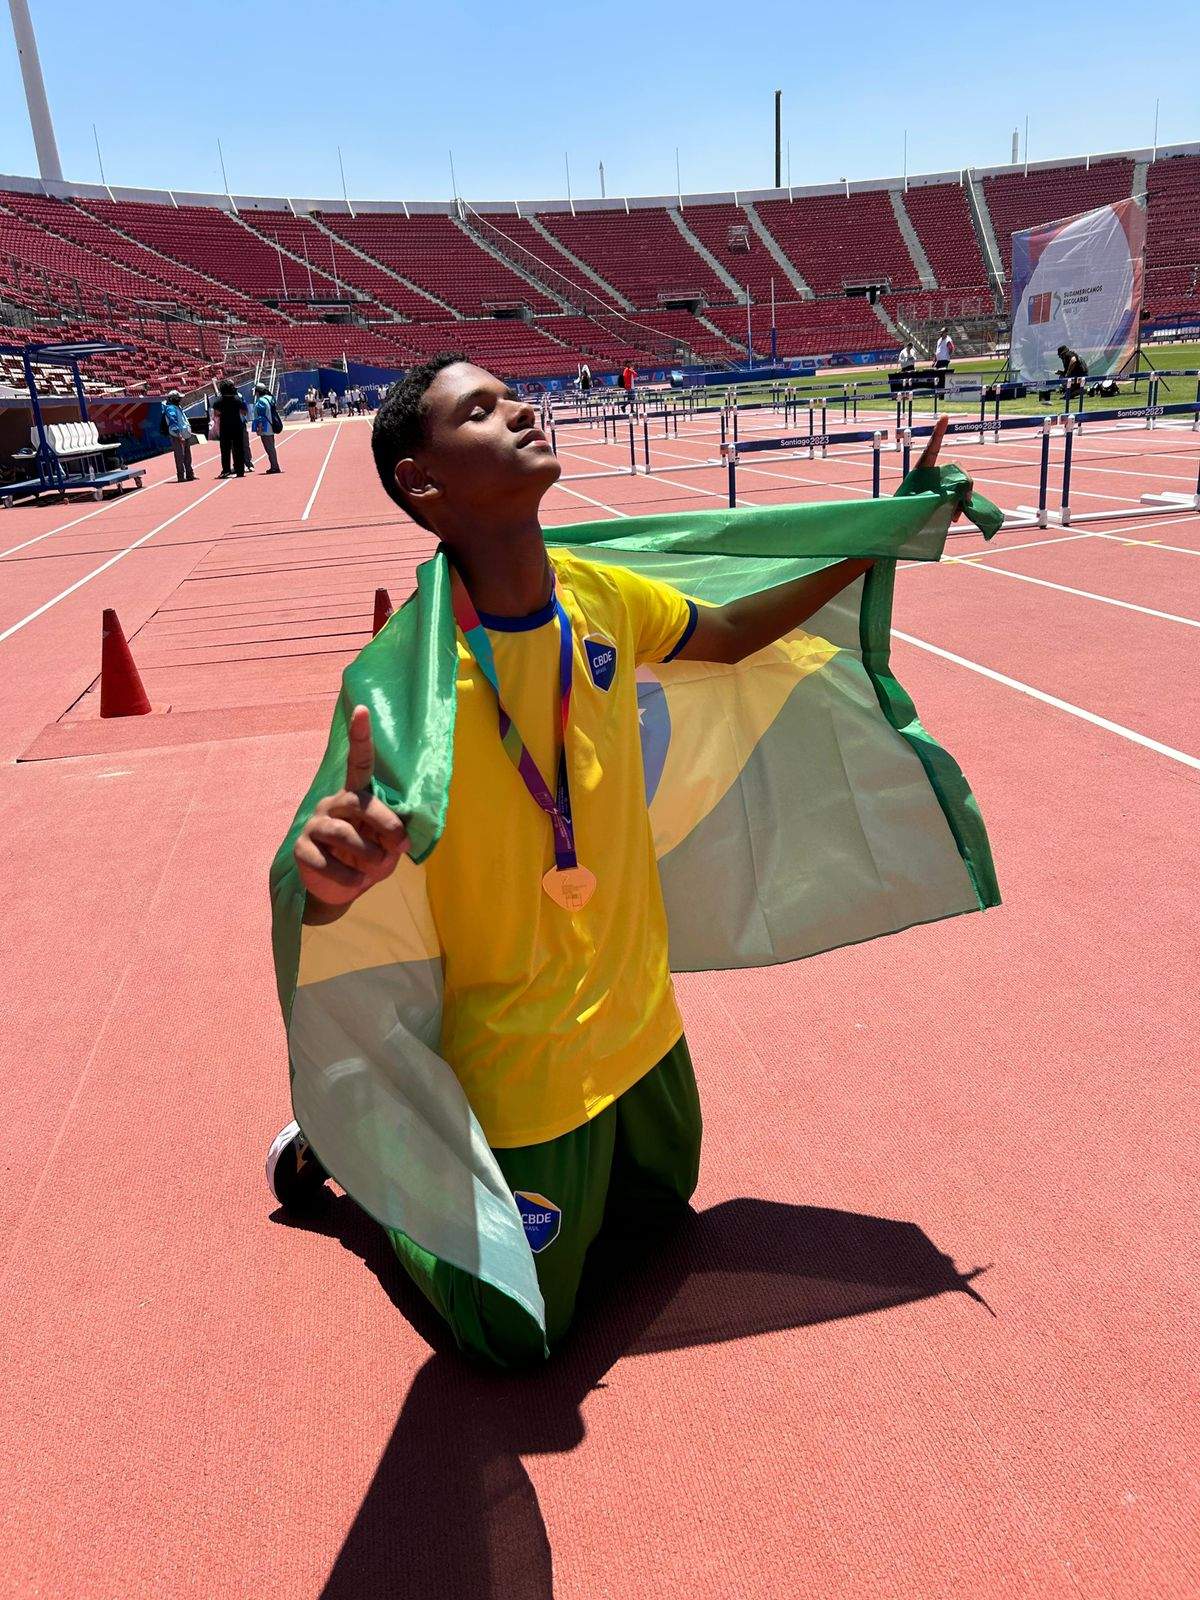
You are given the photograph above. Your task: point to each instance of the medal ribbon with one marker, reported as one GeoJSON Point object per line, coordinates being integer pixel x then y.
{"type": "Point", "coordinates": [557, 806]}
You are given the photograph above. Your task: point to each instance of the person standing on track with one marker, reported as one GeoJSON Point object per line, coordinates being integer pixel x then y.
{"type": "Point", "coordinates": [559, 1016]}
{"type": "Point", "coordinates": [264, 419]}
{"type": "Point", "coordinates": [313, 401]}
{"type": "Point", "coordinates": [942, 357]}
{"type": "Point", "coordinates": [230, 411]}
{"type": "Point", "coordinates": [181, 435]}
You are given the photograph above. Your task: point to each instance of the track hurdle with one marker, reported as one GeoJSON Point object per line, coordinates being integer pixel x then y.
{"type": "Point", "coordinates": [1023, 516]}
{"type": "Point", "coordinates": [732, 452]}
{"type": "Point", "coordinates": [1151, 504]}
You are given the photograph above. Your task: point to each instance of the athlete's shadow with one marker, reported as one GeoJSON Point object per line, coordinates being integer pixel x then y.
{"type": "Point", "coordinates": [451, 1513]}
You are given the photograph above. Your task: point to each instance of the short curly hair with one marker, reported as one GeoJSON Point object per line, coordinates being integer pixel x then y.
{"type": "Point", "coordinates": [399, 426]}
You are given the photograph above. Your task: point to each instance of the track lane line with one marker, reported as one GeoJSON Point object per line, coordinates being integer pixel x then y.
{"type": "Point", "coordinates": [117, 499]}
{"type": "Point", "coordinates": [1052, 700]}
{"type": "Point", "coordinates": [579, 495]}
{"type": "Point", "coordinates": [316, 486]}
{"type": "Point", "coordinates": [112, 561]}
{"type": "Point", "coordinates": [1084, 594]}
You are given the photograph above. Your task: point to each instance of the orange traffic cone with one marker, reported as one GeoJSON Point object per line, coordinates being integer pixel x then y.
{"type": "Point", "coordinates": [121, 691]}
{"type": "Point", "coordinates": [383, 610]}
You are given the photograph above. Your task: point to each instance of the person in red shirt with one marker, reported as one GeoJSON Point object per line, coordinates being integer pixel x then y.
{"type": "Point", "coordinates": [628, 379]}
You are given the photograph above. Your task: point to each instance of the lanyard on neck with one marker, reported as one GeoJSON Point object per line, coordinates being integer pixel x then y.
{"type": "Point", "coordinates": [557, 806]}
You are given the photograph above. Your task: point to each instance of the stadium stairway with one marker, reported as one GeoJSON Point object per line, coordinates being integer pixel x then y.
{"type": "Point", "coordinates": [985, 233]}
{"type": "Point", "coordinates": [319, 275]}
{"type": "Point", "coordinates": [578, 262]}
{"type": "Point", "coordinates": [909, 234]}
{"type": "Point", "coordinates": [790, 271]}
{"type": "Point", "coordinates": [508, 259]}
{"type": "Point", "coordinates": [381, 266]}
{"type": "Point", "coordinates": [720, 332]}
{"type": "Point", "coordinates": [702, 250]}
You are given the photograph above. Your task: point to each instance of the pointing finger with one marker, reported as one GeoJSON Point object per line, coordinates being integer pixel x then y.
{"type": "Point", "coordinates": [360, 759]}
{"type": "Point", "coordinates": [930, 453]}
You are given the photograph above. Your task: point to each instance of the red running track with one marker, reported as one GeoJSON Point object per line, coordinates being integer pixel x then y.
{"type": "Point", "coordinates": [812, 1395]}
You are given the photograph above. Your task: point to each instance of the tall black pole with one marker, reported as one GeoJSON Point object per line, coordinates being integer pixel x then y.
{"type": "Point", "coordinates": [778, 136]}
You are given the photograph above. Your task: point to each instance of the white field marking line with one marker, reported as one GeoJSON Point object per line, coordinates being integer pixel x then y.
{"type": "Point", "coordinates": [997, 550]}
{"type": "Point", "coordinates": [112, 561]}
{"type": "Point", "coordinates": [1149, 544]}
{"type": "Point", "coordinates": [1116, 472]}
{"type": "Point", "coordinates": [316, 486]}
{"type": "Point", "coordinates": [579, 495]}
{"type": "Point", "coordinates": [117, 499]}
{"type": "Point", "coordinates": [1084, 594]}
{"type": "Point", "coordinates": [614, 467]}
{"type": "Point", "coordinates": [782, 477]}
{"type": "Point", "coordinates": [1053, 700]}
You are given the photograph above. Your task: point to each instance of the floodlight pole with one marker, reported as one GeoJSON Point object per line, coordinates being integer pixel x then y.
{"type": "Point", "coordinates": [602, 195]}
{"type": "Point", "coordinates": [1154, 157]}
{"type": "Point", "coordinates": [778, 137]}
{"type": "Point", "coordinates": [342, 170]}
{"type": "Point", "coordinates": [49, 166]}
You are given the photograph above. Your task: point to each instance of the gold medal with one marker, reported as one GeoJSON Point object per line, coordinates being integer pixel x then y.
{"type": "Point", "coordinates": [571, 887]}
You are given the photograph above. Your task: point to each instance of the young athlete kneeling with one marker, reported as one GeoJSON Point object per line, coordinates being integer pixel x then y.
{"type": "Point", "coordinates": [559, 1018]}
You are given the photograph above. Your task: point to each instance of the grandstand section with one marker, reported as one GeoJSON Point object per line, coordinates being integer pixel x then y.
{"type": "Point", "coordinates": [1173, 239]}
{"type": "Point", "coordinates": [942, 218]}
{"type": "Point", "coordinates": [842, 238]}
{"type": "Point", "coordinates": [641, 253]}
{"type": "Point", "coordinates": [533, 288]}
{"type": "Point", "coordinates": [1017, 199]}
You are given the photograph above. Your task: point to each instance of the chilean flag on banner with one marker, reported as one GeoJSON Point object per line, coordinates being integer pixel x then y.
{"type": "Point", "coordinates": [1078, 282]}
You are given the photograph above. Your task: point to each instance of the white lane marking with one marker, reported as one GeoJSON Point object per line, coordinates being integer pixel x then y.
{"type": "Point", "coordinates": [122, 499]}
{"type": "Point", "coordinates": [1084, 594]}
{"type": "Point", "coordinates": [117, 500]}
{"type": "Point", "coordinates": [995, 550]}
{"type": "Point", "coordinates": [579, 495]}
{"type": "Point", "coordinates": [112, 561]}
{"type": "Point", "coordinates": [316, 486]}
{"type": "Point", "coordinates": [1150, 544]}
{"type": "Point", "coordinates": [1053, 700]}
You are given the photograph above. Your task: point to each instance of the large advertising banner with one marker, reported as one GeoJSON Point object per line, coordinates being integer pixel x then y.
{"type": "Point", "coordinates": [1078, 282]}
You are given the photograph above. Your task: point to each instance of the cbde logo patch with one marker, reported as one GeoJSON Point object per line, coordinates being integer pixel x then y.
{"type": "Point", "coordinates": [602, 661]}
{"type": "Point", "coordinates": [540, 1218]}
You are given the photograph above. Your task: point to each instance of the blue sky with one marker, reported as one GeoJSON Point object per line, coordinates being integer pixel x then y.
{"type": "Point", "coordinates": [510, 88]}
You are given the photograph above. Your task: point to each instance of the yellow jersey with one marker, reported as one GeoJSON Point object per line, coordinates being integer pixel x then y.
{"type": "Point", "coordinates": [548, 1015]}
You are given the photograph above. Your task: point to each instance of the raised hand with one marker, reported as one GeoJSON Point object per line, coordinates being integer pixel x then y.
{"type": "Point", "coordinates": [352, 840]}
{"type": "Point", "coordinates": [930, 454]}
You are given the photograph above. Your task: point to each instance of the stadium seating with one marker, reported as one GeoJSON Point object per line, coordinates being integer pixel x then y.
{"type": "Point", "coordinates": [1018, 200]}
{"type": "Point", "coordinates": [942, 219]}
{"type": "Point", "coordinates": [806, 327]}
{"type": "Point", "coordinates": [184, 285]}
{"type": "Point", "coordinates": [725, 231]}
{"type": "Point", "coordinates": [304, 237]}
{"type": "Point", "coordinates": [643, 255]}
{"type": "Point", "coordinates": [547, 257]}
{"type": "Point", "coordinates": [835, 239]}
{"type": "Point", "coordinates": [1173, 239]}
{"type": "Point", "coordinates": [433, 252]}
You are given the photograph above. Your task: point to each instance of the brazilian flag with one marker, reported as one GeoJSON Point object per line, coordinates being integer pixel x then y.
{"type": "Point", "coordinates": [797, 804]}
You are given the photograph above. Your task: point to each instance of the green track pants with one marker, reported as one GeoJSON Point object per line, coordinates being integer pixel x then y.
{"type": "Point", "coordinates": [628, 1169]}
